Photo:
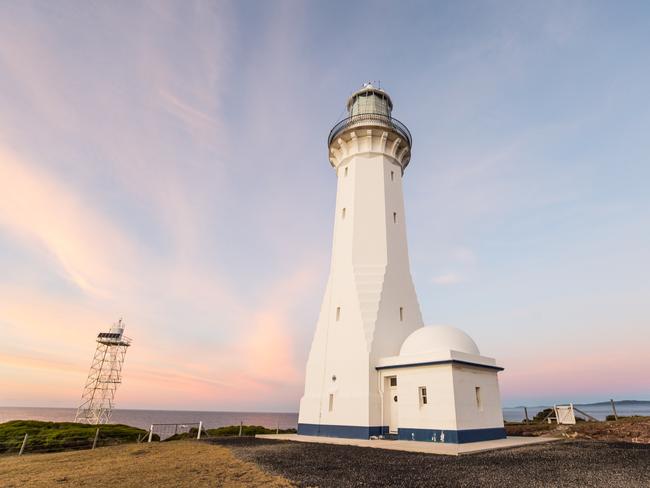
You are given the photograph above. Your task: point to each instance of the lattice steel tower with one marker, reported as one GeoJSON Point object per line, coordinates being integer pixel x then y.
{"type": "Point", "coordinates": [97, 400]}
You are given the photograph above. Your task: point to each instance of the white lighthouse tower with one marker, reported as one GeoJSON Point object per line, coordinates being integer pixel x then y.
{"type": "Point", "coordinates": [365, 352]}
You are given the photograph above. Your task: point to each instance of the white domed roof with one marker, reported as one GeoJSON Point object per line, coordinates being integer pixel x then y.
{"type": "Point", "coordinates": [438, 338]}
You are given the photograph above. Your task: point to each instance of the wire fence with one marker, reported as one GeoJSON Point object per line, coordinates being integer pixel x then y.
{"type": "Point", "coordinates": [24, 444]}
{"type": "Point", "coordinates": [612, 410]}
{"type": "Point", "coordinates": [196, 430]}
{"type": "Point", "coordinates": [183, 430]}
{"type": "Point", "coordinates": [34, 444]}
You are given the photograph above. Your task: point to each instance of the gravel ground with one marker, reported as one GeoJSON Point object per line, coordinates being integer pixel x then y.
{"type": "Point", "coordinates": [559, 464]}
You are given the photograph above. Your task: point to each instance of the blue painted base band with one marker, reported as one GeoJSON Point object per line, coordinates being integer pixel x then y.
{"type": "Point", "coordinates": [451, 436]}
{"type": "Point", "coordinates": [346, 431]}
{"type": "Point", "coordinates": [426, 435]}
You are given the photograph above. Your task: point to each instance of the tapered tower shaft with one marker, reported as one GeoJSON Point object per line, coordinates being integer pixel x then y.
{"type": "Point", "coordinates": [370, 305]}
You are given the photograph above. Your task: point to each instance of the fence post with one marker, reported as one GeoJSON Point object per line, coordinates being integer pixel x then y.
{"type": "Point", "coordinates": [150, 433]}
{"type": "Point", "coordinates": [526, 414]}
{"type": "Point", "coordinates": [614, 408]}
{"type": "Point", "coordinates": [241, 424]}
{"type": "Point", "coordinates": [96, 437]}
{"type": "Point", "coordinates": [22, 448]}
{"type": "Point", "coordinates": [198, 436]}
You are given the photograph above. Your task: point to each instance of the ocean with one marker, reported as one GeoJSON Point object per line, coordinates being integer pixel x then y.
{"type": "Point", "coordinates": [285, 420]}
{"type": "Point", "coordinates": [144, 418]}
{"type": "Point", "coordinates": [600, 412]}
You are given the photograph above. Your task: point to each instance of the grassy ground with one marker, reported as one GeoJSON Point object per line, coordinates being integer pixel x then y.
{"type": "Point", "coordinates": [59, 436]}
{"type": "Point", "coordinates": [174, 464]}
{"type": "Point", "coordinates": [244, 462]}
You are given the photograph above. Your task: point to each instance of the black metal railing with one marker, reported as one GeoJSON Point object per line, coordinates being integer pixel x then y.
{"type": "Point", "coordinates": [381, 120]}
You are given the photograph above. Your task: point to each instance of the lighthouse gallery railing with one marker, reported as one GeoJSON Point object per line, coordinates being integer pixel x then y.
{"type": "Point", "coordinates": [371, 119]}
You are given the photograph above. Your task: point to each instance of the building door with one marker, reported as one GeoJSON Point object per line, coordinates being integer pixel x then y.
{"type": "Point", "coordinates": [392, 402]}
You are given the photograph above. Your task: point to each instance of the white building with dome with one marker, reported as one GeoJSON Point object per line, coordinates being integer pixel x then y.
{"type": "Point", "coordinates": [373, 369]}
{"type": "Point", "coordinates": [439, 388]}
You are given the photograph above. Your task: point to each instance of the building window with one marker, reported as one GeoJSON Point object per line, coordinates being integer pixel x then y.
{"type": "Point", "coordinates": [394, 217]}
{"type": "Point", "coordinates": [343, 213]}
{"type": "Point", "coordinates": [477, 392]}
{"type": "Point", "coordinates": [331, 403]}
{"type": "Point", "coordinates": [401, 314]}
{"type": "Point", "coordinates": [423, 395]}
{"type": "Point", "coordinates": [345, 171]}
{"type": "Point", "coordinates": [393, 381]}
{"type": "Point", "coordinates": [392, 175]}
{"type": "Point", "coordinates": [338, 313]}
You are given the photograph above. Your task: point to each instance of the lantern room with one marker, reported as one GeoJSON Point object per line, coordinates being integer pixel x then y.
{"type": "Point", "coordinates": [370, 100]}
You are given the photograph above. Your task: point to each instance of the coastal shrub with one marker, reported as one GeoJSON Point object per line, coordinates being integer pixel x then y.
{"type": "Point", "coordinates": [528, 429]}
{"type": "Point", "coordinates": [541, 416]}
{"type": "Point", "coordinates": [57, 436]}
{"type": "Point", "coordinates": [247, 430]}
{"type": "Point", "coordinates": [191, 434]}
{"type": "Point", "coordinates": [229, 431]}
{"type": "Point", "coordinates": [611, 418]}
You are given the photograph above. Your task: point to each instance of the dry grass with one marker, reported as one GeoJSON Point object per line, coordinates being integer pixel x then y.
{"type": "Point", "coordinates": [627, 429]}
{"type": "Point", "coordinates": [177, 464]}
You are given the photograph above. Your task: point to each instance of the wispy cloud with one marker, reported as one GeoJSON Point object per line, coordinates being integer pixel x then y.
{"type": "Point", "coordinates": [448, 279]}
{"type": "Point", "coordinates": [165, 162]}
{"type": "Point", "coordinates": [36, 207]}
{"type": "Point", "coordinates": [124, 207]}
{"type": "Point", "coordinates": [464, 255]}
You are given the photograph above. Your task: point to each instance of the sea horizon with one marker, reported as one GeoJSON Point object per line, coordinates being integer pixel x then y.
{"type": "Point", "coordinates": [143, 418]}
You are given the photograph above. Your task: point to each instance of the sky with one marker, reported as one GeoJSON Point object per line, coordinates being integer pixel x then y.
{"type": "Point", "coordinates": [166, 162]}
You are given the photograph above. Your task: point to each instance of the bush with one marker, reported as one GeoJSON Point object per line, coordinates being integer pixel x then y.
{"type": "Point", "coordinates": [229, 431]}
{"type": "Point", "coordinates": [611, 418]}
{"type": "Point", "coordinates": [193, 432]}
{"type": "Point", "coordinates": [530, 429]}
{"type": "Point", "coordinates": [247, 430]}
{"type": "Point", "coordinates": [541, 416]}
{"type": "Point", "coordinates": [57, 436]}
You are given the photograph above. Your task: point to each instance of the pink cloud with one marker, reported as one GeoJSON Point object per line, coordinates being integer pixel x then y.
{"type": "Point", "coordinates": [37, 208]}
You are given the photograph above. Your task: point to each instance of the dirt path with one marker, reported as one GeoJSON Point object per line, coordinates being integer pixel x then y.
{"type": "Point", "coordinates": [174, 464]}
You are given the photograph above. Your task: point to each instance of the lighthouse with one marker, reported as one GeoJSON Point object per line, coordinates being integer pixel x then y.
{"type": "Point", "coordinates": [373, 369]}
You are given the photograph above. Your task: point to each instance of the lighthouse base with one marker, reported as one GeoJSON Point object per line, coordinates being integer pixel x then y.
{"type": "Point", "coordinates": [440, 448]}
{"type": "Point", "coordinates": [345, 431]}
{"type": "Point", "coordinates": [403, 434]}
{"type": "Point", "coordinates": [451, 436]}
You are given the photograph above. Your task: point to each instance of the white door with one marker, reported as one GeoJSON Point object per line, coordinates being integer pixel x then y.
{"type": "Point", "coordinates": [392, 402]}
